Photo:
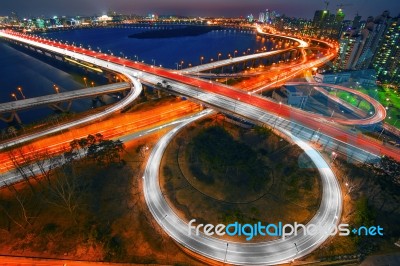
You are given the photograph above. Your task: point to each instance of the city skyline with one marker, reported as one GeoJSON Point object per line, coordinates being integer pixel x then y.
{"type": "Point", "coordinates": [227, 8]}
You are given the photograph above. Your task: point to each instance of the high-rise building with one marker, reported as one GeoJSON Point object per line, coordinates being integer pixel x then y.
{"type": "Point", "coordinates": [320, 16]}
{"type": "Point", "coordinates": [261, 17]}
{"type": "Point", "coordinates": [267, 16]}
{"type": "Point", "coordinates": [358, 48]}
{"type": "Point", "coordinates": [339, 16]}
{"type": "Point", "coordinates": [349, 45]}
{"type": "Point", "coordinates": [372, 36]}
{"type": "Point", "coordinates": [386, 61]}
{"type": "Point", "coordinates": [250, 18]}
{"type": "Point", "coordinates": [356, 22]}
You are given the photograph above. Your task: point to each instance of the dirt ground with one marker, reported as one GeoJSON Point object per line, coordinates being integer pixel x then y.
{"type": "Point", "coordinates": [114, 225]}
{"type": "Point", "coordinates": [297, 193]}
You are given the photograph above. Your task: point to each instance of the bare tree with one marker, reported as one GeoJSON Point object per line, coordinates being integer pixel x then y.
{"type": "Point", "coordinates": [21, 199]}
{"type": "Point", "coordinates": [19, 167]}
{"type": "Point", "coordinates": [66, 192]}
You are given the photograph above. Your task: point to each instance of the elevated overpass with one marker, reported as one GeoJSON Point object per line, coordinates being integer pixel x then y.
{"type": "Point", "coordinates": [201, 90]}
{"type": "Point", "coordinates": [251, 107]}
{"type": "Point", "coordinates": [235, 60]}
{"type": "Point", "coordinates": [63, 97]}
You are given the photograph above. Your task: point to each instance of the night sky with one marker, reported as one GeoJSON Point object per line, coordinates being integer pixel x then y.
{"type": "Point", "coordinates": [228, 8]}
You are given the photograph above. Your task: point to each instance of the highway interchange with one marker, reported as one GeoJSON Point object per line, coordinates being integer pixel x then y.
{"type": "Point", "coordinates": [247, 105]}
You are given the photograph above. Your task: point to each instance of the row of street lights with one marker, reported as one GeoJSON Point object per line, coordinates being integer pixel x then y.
{"type": "Point", "coordinates": [55, 87]}
{"type": "Point", "coordinates": [14, 96]}
{"type": "Point", "coordinates": [180, 65]}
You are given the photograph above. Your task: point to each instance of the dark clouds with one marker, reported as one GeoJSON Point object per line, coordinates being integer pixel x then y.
{"type": "Point", "coordinates": [298, 8]}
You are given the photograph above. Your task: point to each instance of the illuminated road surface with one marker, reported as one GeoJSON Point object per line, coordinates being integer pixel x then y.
{"type": "Point", "coordinates": [378, 116]}
{"type": "Point", "coordinates": [63, 97]}
{"type": "Point", "coordinates": [13, 176]}
{"type": "Point", "coordinates": [241, 103]}
{"type": "Point", "coordinates": [262, 253]}
{"type": "Point", "coordinates": [132, 95]}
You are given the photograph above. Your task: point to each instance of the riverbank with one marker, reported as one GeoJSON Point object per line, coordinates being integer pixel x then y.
{"type": "Point", "coordinates": [189, 31]}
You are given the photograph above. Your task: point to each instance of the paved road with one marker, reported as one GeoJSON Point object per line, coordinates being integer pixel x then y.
{"type": "Point", "coordinates": [272, 252]}
{"type": "Point", "coordinates": [63, 97]}
{"type": "Point", "coordinates": [378, 116]}
{"type": "Point", "coordinates": [239, 102]}
{"type": "Point", "coordinates": [234, 60]}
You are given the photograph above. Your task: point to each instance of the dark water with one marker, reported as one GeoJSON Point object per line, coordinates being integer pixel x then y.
{"type": "Point", "coordinates": [165, 52]}
{"type": "Point", "coordinates": [37, 78]}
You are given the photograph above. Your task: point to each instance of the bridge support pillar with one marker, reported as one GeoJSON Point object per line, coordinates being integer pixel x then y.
{"type": "Point", "coordinates": [58, 107]}
{"type": "Point", "coordinates": [13, 116]}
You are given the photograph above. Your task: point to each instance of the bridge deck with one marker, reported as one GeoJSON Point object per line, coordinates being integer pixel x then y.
{"type": "Point", "coordinates": [62, 97]}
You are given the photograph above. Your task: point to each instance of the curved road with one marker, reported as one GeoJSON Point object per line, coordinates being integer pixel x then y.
{"type": "Point", "coordinates": [271, 252]}
{"type": "Point", "coordinates": [132, 95]}
{"type": "Point", "coordinates": [378, 116]}
{"type": "Point", "coordinates": [242, 103]}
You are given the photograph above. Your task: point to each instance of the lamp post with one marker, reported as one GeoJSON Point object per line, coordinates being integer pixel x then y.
{"type": "Point", "coordinates": [14, 96]}
{"type": "Point", "coordinates": [20, 91]}
{"type": "Point", "coordinates": [334, 155]}
{"type": "Point", "coordinates": [84, 79]}
{"type": "Point", "coordinates": [226, 252]}
{"type": "Point", "coordinates": [154, 62]}
{"type": "Point", "coordinates": [234, 53]}
{"type": "Point", "coordinates": [380, 134]}
{"type": "Point", "coordinates": [201, 60]}
{"type": "Point", "coordinates": [56, 89]}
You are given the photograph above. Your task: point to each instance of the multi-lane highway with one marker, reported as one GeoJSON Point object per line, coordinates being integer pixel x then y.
{"type": "Point", "coordinates": [246, 105]}
{"type": "Point", "coordinates": [132, 95]}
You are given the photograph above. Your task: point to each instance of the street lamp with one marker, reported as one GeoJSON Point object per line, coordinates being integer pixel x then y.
{"type": "Point", "coordinates": [56, 89]}
{"type": "Point", "coordinates": [334, 155]}
{"type": "Point", "coordinates": [84, 79]}
{"type": "Point", "coordinates": [92, 84]}
{"type": "Point", "coordinates": [226, 252]}
{"type": "Point", "coordinates": [14, 96]}
{"type": "Point", "coordinates": [219, 54]}
{"type": "Point", "coordinates": [154, 62]}
{"type": "Point", "coordinates": [234, 53]}
{"type": "Point", "coordinates": [201, 60]}
{"type": "Point", "coordinates": [20, 91]}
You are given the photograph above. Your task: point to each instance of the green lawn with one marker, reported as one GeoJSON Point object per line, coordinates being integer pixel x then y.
{"type": "Point", "coordinates": [388, 97]}
{"type": "Point", "coordinates": [350, 98]}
